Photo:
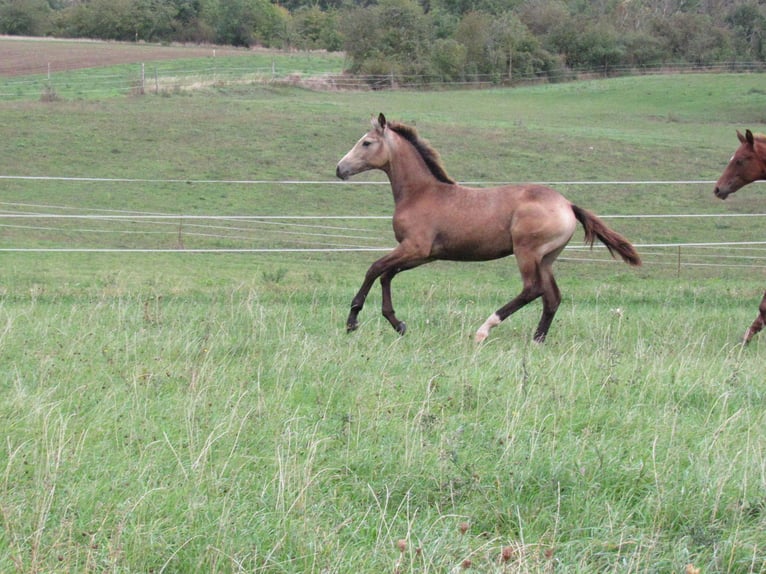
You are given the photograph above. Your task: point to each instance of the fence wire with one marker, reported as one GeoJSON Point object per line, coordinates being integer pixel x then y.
{"type": "Point", "coordinates": [149, 78]}
{"type": "Point", "coordinates": [35, 227]}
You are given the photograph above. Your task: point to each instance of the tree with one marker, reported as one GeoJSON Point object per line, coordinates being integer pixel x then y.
{"type": "Point", "coordinates": [449, 59]}
{"type": "Point", "coordinates": [642, 49]}
{"type": "Point", "coordinates": [313, 28]}
{"type": "Point", "coordinates": [393, 36]}
{"type": "Point", "coordinates": [362, 36]}
{"type": "Point", "coordinates": [105, 19]}
{"type": "Point", "coordinates": [692, 38]}
{"type": "Point", "coordinates": [748, 25]}
{"type": "Point", "coordinates": [153, 19]}
{"type": "Point", "coordinates": [248, 22]}
{"type": "Point", "coordinates": [586, 45]}
{"type": "Point", "coordinates": [24, 17]}
{"type": "Point", "coordinates": [502, 46]}
{"type": "Point", "coordinates": [473, 33]}
{"type": "Point", "coordinates": [543, 16]}
{"type": "Point", "coordinates": [462, 7]}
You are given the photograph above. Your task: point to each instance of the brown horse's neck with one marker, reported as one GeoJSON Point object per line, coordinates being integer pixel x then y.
{"type": "Point", "coordinates": [407, 170]}
{"type": "Point", "coordinates": [760, 151]}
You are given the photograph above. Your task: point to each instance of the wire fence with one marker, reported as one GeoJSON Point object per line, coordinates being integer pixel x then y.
{"type": "Point", "coordinates": [137, 79]}
{"type": "Point", "coordinates": [142, 78]}
{"type": "Point", "coordinates": [721, 240]}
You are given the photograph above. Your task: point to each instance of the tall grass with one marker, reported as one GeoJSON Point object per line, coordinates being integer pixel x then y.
{"type": "Point", "coordinates": [153, 426]}
{"type": "Point", "coordinates": [208, 413]}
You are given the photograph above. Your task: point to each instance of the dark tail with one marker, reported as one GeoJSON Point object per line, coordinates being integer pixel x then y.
{"type": "Point", "coordinates": [614, 242]}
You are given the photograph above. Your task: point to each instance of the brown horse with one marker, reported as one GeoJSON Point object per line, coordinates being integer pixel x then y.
{"type": "Point", "coordinates": [435, 218]}
{"type": "Point", "coordinates": [748, 164]}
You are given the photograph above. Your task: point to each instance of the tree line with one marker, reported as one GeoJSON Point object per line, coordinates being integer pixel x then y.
{"type": "Point", "coordinates": [452, 40]}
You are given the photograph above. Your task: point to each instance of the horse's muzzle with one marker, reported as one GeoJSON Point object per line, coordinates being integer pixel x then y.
{"type": "Point", "coordinates": [340, 174]}
{"type": "Point", "coordinates": [720, 194]}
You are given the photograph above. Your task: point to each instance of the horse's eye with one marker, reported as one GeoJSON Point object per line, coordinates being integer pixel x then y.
{"type": "Point", "coordinates": [366, 143]}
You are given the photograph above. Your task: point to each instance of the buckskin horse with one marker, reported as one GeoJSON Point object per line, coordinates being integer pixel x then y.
{"type": "Point", "coordinates": [748, 164]}
{"type": "Point", "coordinates": [436, 218]}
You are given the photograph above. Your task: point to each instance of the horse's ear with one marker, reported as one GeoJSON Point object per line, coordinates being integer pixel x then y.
{"type": "Point", "coordinates": [747, 138]}
{"type": "Point", "coordinates": [379, 123]}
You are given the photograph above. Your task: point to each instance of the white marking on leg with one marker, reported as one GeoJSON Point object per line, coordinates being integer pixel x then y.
{"type": "Point", "coordinates": [483, 331]}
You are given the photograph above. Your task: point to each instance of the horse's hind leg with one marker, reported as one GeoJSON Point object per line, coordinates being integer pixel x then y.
{"type": "Point", "coordinates": [531, 290]}
{"type": "Point", "coordinates": [551, 302]}
{"type": "Point", "coordinates": [759, 322]}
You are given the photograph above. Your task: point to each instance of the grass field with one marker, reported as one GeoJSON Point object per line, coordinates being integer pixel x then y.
{"type": "Point", "coordinates": [182, 412]}
{"type": "Point", "coordinates": [34, 69]}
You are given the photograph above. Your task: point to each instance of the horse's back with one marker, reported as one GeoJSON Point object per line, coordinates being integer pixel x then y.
{"type": "Point", "coordinates": [507, 199]}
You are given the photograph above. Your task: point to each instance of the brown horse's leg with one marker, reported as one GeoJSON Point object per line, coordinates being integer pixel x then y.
{"type": "Point", "coordinates": [357, 303]}
{"type": "Point", "coordinates": [551, 302]}
{"type": "Point", "coordinates": [386, 267]}
{"type": "Point", "coordinates": [388, 306]}
{"type": "Point", "coordinates": [531, 290]}
{"type": "Point", "coordinates": [759, 322]}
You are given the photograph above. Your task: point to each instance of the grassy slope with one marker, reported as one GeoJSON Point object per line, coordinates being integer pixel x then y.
{"type": "Point", "coordinates": [82, 70]}
{"type": "Point", "coordinates": [207, 413]}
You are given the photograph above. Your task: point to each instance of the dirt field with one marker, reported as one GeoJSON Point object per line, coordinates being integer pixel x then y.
{"type": "Point", "coordinates": [19, 56]}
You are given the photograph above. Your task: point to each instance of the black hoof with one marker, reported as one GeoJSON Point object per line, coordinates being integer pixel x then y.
{"type": "Point", "coordinates": [351, 327]}
{"type": "Point", "coordinates": [401, 328]}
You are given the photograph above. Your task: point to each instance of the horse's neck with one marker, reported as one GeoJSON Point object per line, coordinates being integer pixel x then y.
{"type": "Point", "coordinates": [760, 150]}
{"type": "Point", "coordinates": [408, 173]}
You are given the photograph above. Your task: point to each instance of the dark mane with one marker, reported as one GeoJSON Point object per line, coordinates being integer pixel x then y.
{"type": "Point", "coordinates": [429, 154]}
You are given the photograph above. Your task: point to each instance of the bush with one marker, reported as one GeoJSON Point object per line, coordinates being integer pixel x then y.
{"type": "Point", "coordinates": [396, 32]}
{"type": "Point", "coordinates": [314, 29]}
{"type": "Point", "coordinates": [448, 59]}
{"type": "Point", "coordinates": [25, 17]}
{"type": "Point", "coordinates": [692, 38]}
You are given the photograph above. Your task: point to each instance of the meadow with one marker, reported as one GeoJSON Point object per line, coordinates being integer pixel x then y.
{"type": "Point", "coordinates": [80, 69]}
{"type": "Point", "coordinates": [184, 411]}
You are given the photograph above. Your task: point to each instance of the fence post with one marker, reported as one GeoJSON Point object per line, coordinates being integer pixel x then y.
{"type": "Point", "coordinates": [180, 243]}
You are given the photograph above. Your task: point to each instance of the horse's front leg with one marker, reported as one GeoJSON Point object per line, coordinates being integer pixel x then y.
{"type": "Point", "coordinates": [759, 322]}
{"type": "Point", "coordinates": [401, 258]}
{"type": "Point", "coordinates": [357, 303]}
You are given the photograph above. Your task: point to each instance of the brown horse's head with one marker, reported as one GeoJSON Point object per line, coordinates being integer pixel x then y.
{"type": "Point", "coordinates": [747, 165]}
{"type": "Point", "coordinates": [378, 147]}
{"type": "Point", "coordinates": [370, 152]}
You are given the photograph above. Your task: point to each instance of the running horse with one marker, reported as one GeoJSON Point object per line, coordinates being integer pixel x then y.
{"type": "Point", "coordinates": [748, 164]}
{"type": "Point", "coordinates": [436, 218]}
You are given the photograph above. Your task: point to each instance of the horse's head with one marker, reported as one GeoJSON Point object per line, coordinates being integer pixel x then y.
{"type": "Point", "coordinates": [747, 165]}
{"type": "Point", "coordinates": [370, 152]}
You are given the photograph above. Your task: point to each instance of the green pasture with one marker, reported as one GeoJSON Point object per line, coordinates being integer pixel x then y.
{"type": "Point", "coordinates": [168, 76]}
{"type": "Point", "coordinates": [206, 412]}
